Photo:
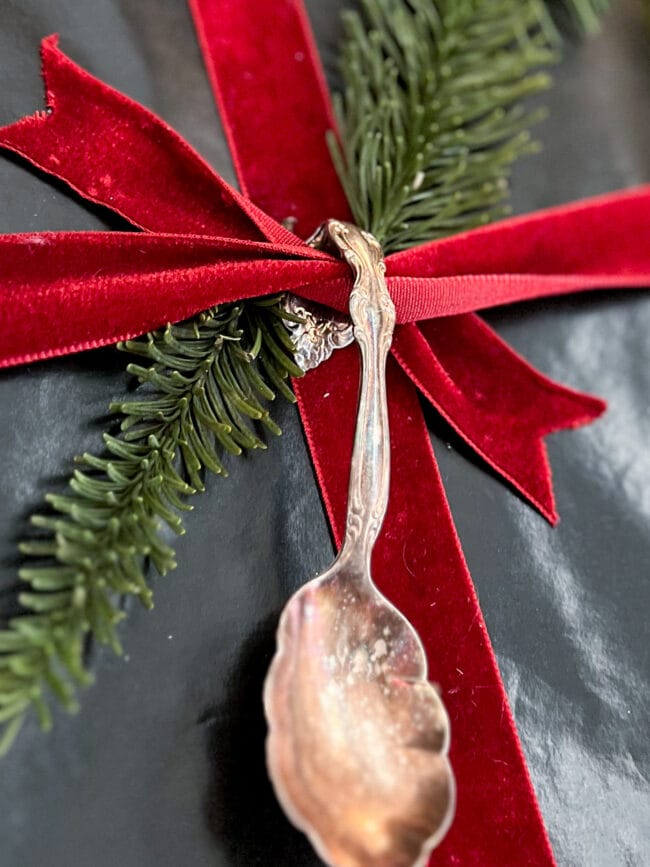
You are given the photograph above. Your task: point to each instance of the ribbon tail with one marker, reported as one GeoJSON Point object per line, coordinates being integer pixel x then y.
{"type": "Point", "coordinates": [500, 405]}
{"type": "Point", "coordinates": [419, 565]}
{"type": "Point", "coordinates": [116, 153]}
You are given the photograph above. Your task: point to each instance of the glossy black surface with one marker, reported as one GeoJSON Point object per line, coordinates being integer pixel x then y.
{"type": "Point", "coordinates": [164, 764]}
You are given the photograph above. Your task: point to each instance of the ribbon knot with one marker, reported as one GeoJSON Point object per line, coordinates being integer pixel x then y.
{"type": "Point", "coordinates": [197, 242]}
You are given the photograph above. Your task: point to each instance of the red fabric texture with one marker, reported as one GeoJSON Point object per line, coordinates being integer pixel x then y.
{"type": "Point", "coordinates": [269, 50]}
{"type": "Point", "coordinates": [498, 403]}
{"type": "Point", "coordinates": [62, 292]}
{"type": "Point", "coordinates": [142, 169]}
{"type": "Point", "coordinates": [206, 244]}
{"type": "Point", "coordinates": [597, 243]}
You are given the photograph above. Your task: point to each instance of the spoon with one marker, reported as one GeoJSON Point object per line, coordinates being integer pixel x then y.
{"type": "Point", "coordinates": [358, 739]}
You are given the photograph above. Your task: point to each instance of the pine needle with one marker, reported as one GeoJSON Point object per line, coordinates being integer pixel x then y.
{"type": "Point", "coordinates": [204, 386]}
{"type": "Point", "coordinates": [432, 113]}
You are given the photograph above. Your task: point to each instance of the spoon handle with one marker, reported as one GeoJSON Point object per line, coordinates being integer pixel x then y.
{"type": "Point", "coordinates": [373, 317]}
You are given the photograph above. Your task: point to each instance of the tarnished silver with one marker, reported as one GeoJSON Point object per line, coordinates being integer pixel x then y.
{"type": "Point", "coordinates": [318, 333]}
{"type": "Point", "coordinates": [358, 739]}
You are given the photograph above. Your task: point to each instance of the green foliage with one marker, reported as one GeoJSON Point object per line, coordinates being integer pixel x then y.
{"type": "Point", "coordinates": [203, 389]}
{"type": "Point", "coordinates": [432, 116]}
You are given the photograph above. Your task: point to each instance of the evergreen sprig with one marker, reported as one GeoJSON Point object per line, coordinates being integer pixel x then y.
{"type": "Point", "coordinates": [203, 390]}
{"type": "Point", "coordinates": [431, 114]}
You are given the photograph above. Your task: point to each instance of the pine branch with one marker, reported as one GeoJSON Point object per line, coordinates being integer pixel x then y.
{"type": "Point", "coordinates": [203, 389]}
{"type": "Point", "coordinates": [431, 114]}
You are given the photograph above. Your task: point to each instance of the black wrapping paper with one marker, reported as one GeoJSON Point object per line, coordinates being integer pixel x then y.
{"type": "Point", "coordinates": [164, 764]}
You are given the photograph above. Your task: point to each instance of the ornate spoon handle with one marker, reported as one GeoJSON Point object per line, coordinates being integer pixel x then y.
{"type": "Point", "coordinates": [373, 318]}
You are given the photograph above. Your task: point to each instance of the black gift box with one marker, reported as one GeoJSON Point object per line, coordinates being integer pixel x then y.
{"type": "Point", "coordinates": [164, 763]}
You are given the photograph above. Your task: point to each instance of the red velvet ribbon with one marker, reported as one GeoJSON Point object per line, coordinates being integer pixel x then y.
{"type": "Point", "coordinates": [203, 244]}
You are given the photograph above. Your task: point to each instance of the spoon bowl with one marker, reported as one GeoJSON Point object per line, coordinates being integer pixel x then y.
{"type": "Point", "coordinates": [365, 773]}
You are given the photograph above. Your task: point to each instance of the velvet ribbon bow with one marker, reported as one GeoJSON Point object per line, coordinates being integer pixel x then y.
{"type": "Point", "coordinates": [199, 243]}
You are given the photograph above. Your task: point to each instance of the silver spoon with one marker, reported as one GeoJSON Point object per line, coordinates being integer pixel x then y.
{"type": "Point", "coordinates": [358, 739]}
